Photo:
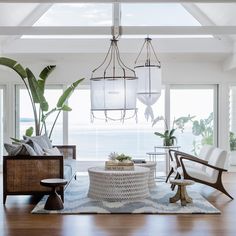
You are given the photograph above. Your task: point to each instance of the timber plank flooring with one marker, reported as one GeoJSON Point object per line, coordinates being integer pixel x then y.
{"type": "Point", "coordinates": [16, 219]}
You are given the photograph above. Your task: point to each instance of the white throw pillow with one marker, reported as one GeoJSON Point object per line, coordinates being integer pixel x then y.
{"type": "Point", "coordinates": [18, 150]}
{"type": "Point", "coordinates": [52, 151]}
{"type": "Point", "coordinates": [43, 141]}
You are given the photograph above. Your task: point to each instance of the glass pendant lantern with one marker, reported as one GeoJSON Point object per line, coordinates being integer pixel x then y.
{"type": "Point", "coordinates": [148, 71]}
{"type": "Point", "coordinates": [113, 88]}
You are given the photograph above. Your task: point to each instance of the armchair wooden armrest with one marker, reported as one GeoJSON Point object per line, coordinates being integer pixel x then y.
{"type": "Point", "coordinates": [197, 160]}
{"type": "Point", "coordinates": [189, 157]}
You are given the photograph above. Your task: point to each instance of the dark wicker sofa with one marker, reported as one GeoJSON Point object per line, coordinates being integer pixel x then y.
{"type": "Point", "coordinates": [22, 174]}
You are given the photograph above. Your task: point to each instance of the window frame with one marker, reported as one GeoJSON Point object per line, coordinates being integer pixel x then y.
{"type": "Point", "coordinates": [215, 88]}
{"type": "Point", "coordinates": [3, 125]}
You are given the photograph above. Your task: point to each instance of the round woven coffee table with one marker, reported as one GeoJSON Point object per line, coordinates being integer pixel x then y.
{"type": "Point", "coordinates": [54, 201]}
{"type": "Point", "coordinates": [113, 185]}
{"type": "Point", "coordinates": [181, 193]}
{"type": "Point", "coordinates": [152, 167]}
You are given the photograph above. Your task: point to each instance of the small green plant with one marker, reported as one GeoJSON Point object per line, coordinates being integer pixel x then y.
{"type": "Point", "coordinates": [203, 128]}
{"type": "Point", "coordinates": [232, 141]}
{"type": "Point", "coordinates": [168, 135]}
{"type": "Point", "coordinates": [119, 157]}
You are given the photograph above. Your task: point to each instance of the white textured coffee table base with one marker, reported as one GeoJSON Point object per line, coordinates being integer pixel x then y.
{"type": "Point", "coordinates": [118, 185]}
{"type": "Point", "coordinates": [152, 167]}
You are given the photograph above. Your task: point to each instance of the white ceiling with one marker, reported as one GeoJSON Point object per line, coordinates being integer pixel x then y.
{"type": "Point", "coordinates": [217, 48]}
{"type": "Point", "coordinates": [12, 14]}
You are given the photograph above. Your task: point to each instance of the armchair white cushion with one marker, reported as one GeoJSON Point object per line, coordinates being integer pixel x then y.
{"type": "Point", "coordinates": [204, 154]}
{"type": "Point", "coordinates": [196, 173]}
{"type": "Point", "coordinates": [200, 171]}
{"type": "Point", "coordinates": [217, 158]}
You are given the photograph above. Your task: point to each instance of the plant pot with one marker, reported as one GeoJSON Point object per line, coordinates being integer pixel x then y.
{"type": "Point", "coordinates": [168, 142]}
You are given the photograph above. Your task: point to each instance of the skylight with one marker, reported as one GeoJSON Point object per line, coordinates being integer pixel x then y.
{"type": "Point", "coordinates": [89, 14]}
{"type": "Point", "coordinates": [81, 14]}
{"type": "Point", "coordinates": [157, 14]}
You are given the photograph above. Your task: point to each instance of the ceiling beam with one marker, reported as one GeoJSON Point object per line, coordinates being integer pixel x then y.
{"type": "Point", "coordinates": [126, 30]}
{"type": "Point", "coordinates": [119, 1]}
{"type": "Point", "coordinates": [29, 20]}
{"type": "Point", "coordinates": [179, 30]}
{"type": "Point", "coordinates": [202, 18]}
{"type": "Point", "coordinates": [187, 46]}
{"type": "Point", "coordinates": [230, 62]}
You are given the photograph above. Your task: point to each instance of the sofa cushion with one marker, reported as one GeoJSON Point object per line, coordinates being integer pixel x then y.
{"type": "Point", "coordinates": [52, 151]}
{"type": "Point", "coordinates": [39, 151]}
{"type": "Point", "coordinates": [19, 149]}
{"type": "Point", "coordinates": [42, 140]}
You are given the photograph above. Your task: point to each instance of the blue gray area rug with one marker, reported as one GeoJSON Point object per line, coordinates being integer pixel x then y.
{"type": "Point", "coordinates": [77, 202]}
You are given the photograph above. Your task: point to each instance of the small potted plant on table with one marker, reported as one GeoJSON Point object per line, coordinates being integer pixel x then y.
{"type": "Point", "coordinates": [168, 135]}
{"type": "Point", "coordinates": [119, 162]}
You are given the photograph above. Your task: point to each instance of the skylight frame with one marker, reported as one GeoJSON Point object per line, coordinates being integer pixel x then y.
{"type": "Point", "coordinates": [115, 7]}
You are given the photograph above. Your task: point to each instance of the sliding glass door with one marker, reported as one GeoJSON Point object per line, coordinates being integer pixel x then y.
{"type": "Point", "coordinates": [199, 103]}
{"type": "Point", "coordinates": [232, 128]}
{"type": "Point", "coordinates": [1, 122]}
{"type": "Point", "coordinates": [96, 140]}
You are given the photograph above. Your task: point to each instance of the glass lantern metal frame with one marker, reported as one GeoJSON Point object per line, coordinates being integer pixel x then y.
{"type": "Point", "coordinates": [148, 61]}
{"type": "Point", "coordinates": [111, 61]}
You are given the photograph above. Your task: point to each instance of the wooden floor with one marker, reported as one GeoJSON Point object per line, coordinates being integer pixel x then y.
{"type": "Point", "coordinates": [15, 219]}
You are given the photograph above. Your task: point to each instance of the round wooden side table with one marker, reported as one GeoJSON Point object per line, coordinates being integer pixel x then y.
{"type": "Point", "coordinates": [54, 201]}
{"type": "Point", "coordinates": [181, 193]}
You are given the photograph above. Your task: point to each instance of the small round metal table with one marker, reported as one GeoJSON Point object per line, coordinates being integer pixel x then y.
{"type": "Point", "coordinates": [54, 201]}
{"type": "Point", "coordinates": [166, 149]}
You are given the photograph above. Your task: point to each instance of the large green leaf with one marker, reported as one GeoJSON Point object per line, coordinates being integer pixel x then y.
{"type": "Point", "coordinates": [15, 140]}
{"type": "Point", "coordinates": [44, 75]}
{"type": "Point", "coordinates": [196, 129]}
{"type": "Point", "coordinates": [14, 65]}
{"type": "Point", "coordinates": [166, 133]}
{"type": "Point", "coordinates": [159, 134]}
{"type": "Point", "coordinates": [29, 132]}
{"type": "Point", "coordinates": [172, 132]}
{"type": "Point", "coordinates": [36, 92]}
{"type": "Point", "coordinates": [66, 108]}
{"type": "Point", "coordinates": [63, 108]}
{"type": "Point", "coordinates": [173, 137]}
{"type": "Point", "coordinates": [65, 96]}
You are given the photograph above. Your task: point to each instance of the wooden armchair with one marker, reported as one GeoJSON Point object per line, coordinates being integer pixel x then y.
{"type": "Point", "coordinates": [204, 172]}
{"type": "Point", "coordinates": [204, 155]}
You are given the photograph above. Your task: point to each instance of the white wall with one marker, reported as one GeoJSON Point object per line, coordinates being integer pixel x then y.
{"type": "Point", "coordinates": [175, 69]}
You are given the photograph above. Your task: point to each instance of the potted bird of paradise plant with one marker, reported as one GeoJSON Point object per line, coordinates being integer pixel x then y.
{"type": "Point", "coordinates": [36, 88]}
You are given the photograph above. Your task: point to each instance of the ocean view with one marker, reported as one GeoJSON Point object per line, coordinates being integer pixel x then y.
{"type": "Point", "coordinates": [97, 144]}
